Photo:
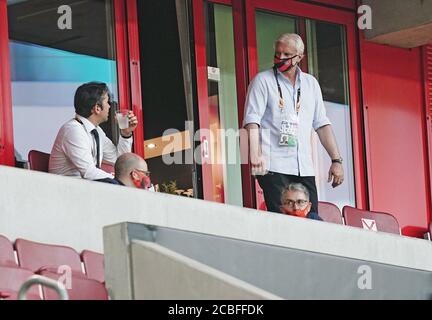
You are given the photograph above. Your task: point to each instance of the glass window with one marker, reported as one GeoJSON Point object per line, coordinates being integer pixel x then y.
{"type": "Point", "coordinates": [327, 61]}
{"type": "Point", "coordinates": [269, 27]}
{"type": "Point", "coordinates": [223, 116]}
{"type": "Point", "coordinates": [48, 64]}
{"type": "Point", "coordinates": [164, 101]}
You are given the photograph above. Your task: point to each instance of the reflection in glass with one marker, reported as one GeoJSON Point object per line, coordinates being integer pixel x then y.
{"type": "Point", "coordinates": [48, 64]}
{"type": "Point", "coordinates": [269, 27]}
{"type": "Point", "coordinates": [327, 61]}
{"type": "Point", "coordinates": [223, 117]}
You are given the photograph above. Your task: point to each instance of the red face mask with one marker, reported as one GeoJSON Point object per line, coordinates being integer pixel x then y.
{"type": "Point", "coordinates": [283, 65]}
{"type": "Point", "coordinates": [298, 213]}
{"type": "Point", "coordinates": [143, 182]}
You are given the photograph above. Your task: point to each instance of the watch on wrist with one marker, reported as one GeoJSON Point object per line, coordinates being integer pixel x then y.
{"type": "Point", "coordinates": [340, 160]}
{"type": "Point", "coordinates": [126, 137]}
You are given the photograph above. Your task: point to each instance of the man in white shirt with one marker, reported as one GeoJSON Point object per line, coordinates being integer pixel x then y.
{"type": "Point", "coordinates": [81, 145]}
{"type": "Point", "coordinates": [283, 105]}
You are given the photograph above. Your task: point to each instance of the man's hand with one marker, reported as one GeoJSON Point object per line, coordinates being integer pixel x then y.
{"type": "Point", "coordinates": [133, 123]}
{"type": "Point", "coordinates": [258, 165]}
{"type": "Point", "coordinates": [336, 173]}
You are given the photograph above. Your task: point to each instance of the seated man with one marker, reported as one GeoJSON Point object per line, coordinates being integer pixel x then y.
{"type": "Point", "coordinates": [131, 170]}
{"type": "Point", "coordinates": [81, 144]}
{"type": "Point", "coordinates": [295, 202]}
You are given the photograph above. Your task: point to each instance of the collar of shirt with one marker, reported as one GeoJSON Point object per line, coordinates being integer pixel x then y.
{"type": "Point", "coordinates": [86, 123]}
{"type": "Point", "coordinates": [299, 75]}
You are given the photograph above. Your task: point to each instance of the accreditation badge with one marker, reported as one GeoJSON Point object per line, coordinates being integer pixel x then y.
{"type": "Point", "coordinates": [289, 132]}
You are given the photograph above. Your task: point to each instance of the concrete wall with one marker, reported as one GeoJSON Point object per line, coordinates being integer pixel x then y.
{"type": "Point", "coordinates": [400, 23]}
{"type": "Point", "coordinates": [49, 208]}
{"type": "Point", "coordinates": [160, 273]}
{"type": "Point", "coordinates": [149, 262]}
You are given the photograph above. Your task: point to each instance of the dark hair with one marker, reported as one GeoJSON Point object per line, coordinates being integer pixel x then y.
{"type": "Point", "coordinates": [87, 95]}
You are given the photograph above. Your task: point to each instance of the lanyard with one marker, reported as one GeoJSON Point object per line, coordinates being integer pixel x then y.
{"type": "Point", "coordinates": [281, 100]}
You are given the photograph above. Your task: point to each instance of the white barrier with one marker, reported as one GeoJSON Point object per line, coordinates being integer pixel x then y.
{"type": "Point", "coordinates": [61, 210]}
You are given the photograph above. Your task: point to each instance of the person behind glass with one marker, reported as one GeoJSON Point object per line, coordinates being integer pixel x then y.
{"type": "Point", "coordinates": [131, 170]}
{"type": "Point", "coordinates": [282, 107]}
{"type": "Point", "coordinates": [81, 145]}
{"type": "Point", "coordinates": [295, 202]}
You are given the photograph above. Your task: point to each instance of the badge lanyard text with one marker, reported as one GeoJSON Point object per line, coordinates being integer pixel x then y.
{"type": "Point", "coordinates": [289, 128]}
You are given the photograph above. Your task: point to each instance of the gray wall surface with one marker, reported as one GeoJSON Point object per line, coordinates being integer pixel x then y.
{"type": "Point", "coordinates": [287, 272]}
{"type": "Point", "coordinates": [401, 23]}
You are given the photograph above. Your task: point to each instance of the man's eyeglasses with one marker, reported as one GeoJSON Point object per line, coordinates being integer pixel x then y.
{"type": "Point", "coordinates": [147, 173]}
{"type": "Point", "coordinates": [290, 203]}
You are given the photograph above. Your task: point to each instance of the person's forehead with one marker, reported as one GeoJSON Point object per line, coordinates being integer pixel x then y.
{"type": "Point", "coordinates": [295, 194]}
{"type": "Point", "coordinates": [286, 46]}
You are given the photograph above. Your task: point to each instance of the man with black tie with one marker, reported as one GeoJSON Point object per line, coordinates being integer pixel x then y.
{"type": "Point", "coordinates": [81, 145]}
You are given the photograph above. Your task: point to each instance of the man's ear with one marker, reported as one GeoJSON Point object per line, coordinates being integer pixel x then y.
{"type": "Point", "coordinates": [96, 109]}
{"type": "Point", "coordinates": [134, 175]}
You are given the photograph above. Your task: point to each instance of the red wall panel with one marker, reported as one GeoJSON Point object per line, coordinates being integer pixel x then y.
{"type": "Point", "coordinates": [395, 129]}
{"type": "Point", "coordinates": [349, 4]}
{"type": "Point", "coordinates": [6, 130]}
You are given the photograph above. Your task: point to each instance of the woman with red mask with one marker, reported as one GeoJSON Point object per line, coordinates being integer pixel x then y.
{"type": "Point", "coordinates": [295, 202]}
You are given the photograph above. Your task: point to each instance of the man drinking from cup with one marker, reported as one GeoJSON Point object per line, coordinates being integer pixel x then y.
{"type": "Point", "coordinates": [81, 145]}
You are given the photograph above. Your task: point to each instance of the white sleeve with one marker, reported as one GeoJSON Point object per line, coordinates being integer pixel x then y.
{"type": "Point", "coordinates": [256, 102]}
{"type": "Point", "coordinates": [77, 148]}
{"type": "Point", "coordinates": [111, 152]}
{"type": "Point", "coordinates": [320, 118]}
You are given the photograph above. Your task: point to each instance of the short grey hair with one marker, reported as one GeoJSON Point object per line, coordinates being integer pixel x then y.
{"type": "Point", "coordinates": [295, 38]}
{"type": "Point", "coordinates": [295, 187]}
{"type": "Point", "coordinates": [126, 163]}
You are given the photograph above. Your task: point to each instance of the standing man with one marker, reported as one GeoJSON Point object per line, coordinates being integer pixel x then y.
{"type": "Point", "coordinates": [283, 105]}
{"type": "Point", "coordinates": [81, 144]}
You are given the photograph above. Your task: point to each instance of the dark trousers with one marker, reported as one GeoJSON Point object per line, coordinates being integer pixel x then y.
{"type": "Point", "coordinates": [274, 183]}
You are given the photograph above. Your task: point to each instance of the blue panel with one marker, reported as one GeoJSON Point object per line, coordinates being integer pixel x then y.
{"type": "Point", "coordinates": [31, 62]}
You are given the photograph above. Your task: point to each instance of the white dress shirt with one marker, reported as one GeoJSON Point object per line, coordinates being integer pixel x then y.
{"type": "Point", "coordinates": [262, 108]}
{"type": "Point", "coordinates": [74, 151]}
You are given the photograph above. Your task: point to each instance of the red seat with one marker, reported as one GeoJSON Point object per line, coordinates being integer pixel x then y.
{"type": "Point", "coordinates": [7, 257]}
{"type": "Point", "coordinates": [371, 220]}
{"type": "Point", "coordinates": [11, 279]}
{"type": "Point", "coordinates": [38, 160]}
{"type": "Point", "coordinates": [35, 256]}
{"type": "Point", "coordinates": [94, 265]}
{"type": "Point", "coordinates": [80, 288]}
{"type": "Point", "coordinates": [329, 212]}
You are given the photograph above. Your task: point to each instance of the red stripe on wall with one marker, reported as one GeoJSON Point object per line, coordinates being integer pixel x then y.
{"type": "Point", "coordinates": [428, 77]}
{"type": "Point", "coordinates": [6, 129]}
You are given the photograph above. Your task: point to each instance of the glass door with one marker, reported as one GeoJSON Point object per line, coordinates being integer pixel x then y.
{"type": "Point", "coordinates": [218, 113]}
{"type": "Point", "coordinates": [330, 56]}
